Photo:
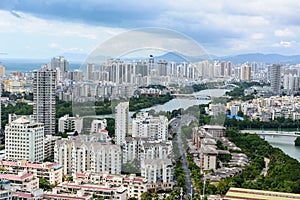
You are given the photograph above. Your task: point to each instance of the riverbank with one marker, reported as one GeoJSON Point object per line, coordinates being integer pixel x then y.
{"type": "Point", "coordinates": [283, 142]}
{"type": "Point", "coordinates": [283, 171]}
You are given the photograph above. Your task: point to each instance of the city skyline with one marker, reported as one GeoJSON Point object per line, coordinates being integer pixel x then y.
{"type": "Point", "coordinates": [40, 29]}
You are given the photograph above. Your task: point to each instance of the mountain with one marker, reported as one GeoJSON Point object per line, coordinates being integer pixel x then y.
{"type": "Point", "coordinates": [170, 56]}
{"type": "Point", "coordinates": [259, 57]}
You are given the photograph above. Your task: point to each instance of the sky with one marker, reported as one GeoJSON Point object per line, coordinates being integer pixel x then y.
{"type": "Point", "coordinates": [47, 28]}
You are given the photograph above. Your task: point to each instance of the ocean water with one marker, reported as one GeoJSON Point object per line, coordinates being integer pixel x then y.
{"type": "Point", "coordinates": [30, 66]}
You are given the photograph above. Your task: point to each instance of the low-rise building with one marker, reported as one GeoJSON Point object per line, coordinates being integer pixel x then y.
{"type": "Point", "coordinates": [67, 123]}
{"type": "Point", "coordinates": [52, 172]}
{"type": "Point", "coordinates": [23, 181]}
{"type": "Point", "coordinates": [98, 191]}
{"type": "Point", "coordinates": [135, 186]}
{"type": "Point", "coordinates": [98, 125]}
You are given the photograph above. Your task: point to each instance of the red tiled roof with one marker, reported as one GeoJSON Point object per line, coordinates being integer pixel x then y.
{"type": "Point", "coordinates": [30, 165]}
{"type": "Point", "coordinates": [94, 187]}
{"type": "Point", "coordinates": [81, 175]}
{"type": "Point", "coordinates": [138, 180]}
{"type": "Point", "coordinates": [22, 194]}
{"type": "Point", "coordinates": [15, 177]}
{"type": "Point", "coordinates": [64, 196]}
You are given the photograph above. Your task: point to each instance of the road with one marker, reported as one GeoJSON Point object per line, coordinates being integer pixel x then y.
{"type": "Point", "coordinates": [176, 126]}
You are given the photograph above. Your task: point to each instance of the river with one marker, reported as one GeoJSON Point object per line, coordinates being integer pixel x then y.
{"type": "Point", "coordinates": [178, 103]}
{"type": "Point", "coordinates": [286, 144]}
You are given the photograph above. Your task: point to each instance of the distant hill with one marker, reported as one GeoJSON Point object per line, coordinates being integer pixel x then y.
{"type": "Point", "coordinates": [170, 56]}
{"type": "Point", "coordinates": [242, 58]}
{"type": "Point", "coordinates": [258, 57]}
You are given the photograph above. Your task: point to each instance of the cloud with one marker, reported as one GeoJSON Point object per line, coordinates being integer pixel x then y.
{"type": "Point", "coordinates": [229, 27]}
{"type": "Point", "coordinates": [284, 33]}
{"type": "Point", "coordinates": [257, 36]}
{"type": "Point", "coordinates": [285, 44]}
{"type": "Point", "coordinates": [66, 50]}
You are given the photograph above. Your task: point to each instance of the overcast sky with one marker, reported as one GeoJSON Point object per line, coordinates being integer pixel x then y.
{"type": "Point", "coordinates": [46, 28]}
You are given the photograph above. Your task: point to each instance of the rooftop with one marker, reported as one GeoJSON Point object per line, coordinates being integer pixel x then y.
{"type": "Point", "coordinates": [241, 193]}
{"type": "Point", "coordinates": [47, 165]}
{"type": "Point", "coordinates": [15, 177]}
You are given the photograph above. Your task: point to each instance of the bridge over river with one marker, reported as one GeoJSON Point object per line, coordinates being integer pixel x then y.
{"type": "Point", "coordinates": [192, 96]}
{"type": "Point", "coordinates": [272, 133]}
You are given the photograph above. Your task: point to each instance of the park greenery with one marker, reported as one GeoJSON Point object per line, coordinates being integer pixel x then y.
{"type": "Point", "coordinates": [279, 123]}
{"type": "Point", "coordinates": [146, 101]}
{"type": "Point", "coordinates": [19, 109]}
{"type": "Point", "coordinates": [283, 173]}
{"type": "Point", "coordinates": [238, 92]}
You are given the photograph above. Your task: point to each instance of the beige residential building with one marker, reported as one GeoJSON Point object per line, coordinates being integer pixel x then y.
{"type": "Point", "coordinates": [135, 186]}
{"type": "Point", "coordinates": [22, 181]}
{"type": "Point", "coordinates": [78, 156]}
{"type": "Point", "coordinates": [52, 172]}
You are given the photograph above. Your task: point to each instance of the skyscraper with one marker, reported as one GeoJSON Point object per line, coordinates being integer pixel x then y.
{"type": "Point", "coordinates": [90, 68]}
{"type": "Point", "coordinates": [275, 71]}
{"type": "Point", "coordinates": [62, 66]}
{"type": "Point", "coordinates": [2, 70]}
{"type": "Point", "coordinates": [44, 86]}
{"type": "Point", "coordinates": [246, 73]}
{"type": "Point", "coordinates": [121, 122]}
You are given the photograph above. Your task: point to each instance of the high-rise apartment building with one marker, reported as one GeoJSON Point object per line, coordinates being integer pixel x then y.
{"type": "Point", "coordinates": [24, 140]}
{"type": "Point", "coordinates": [121, 122]}
{"type": "Point", "coordinates": [2, 70]}
{"type": "Point", "coordinates": [246, 73]}
{"type": "Point", "coordinates": [90, 68]}
{"type": "Point", "coordinates": [275, 71]}
{"type": "Point", "coordinates": [155, 128]}
{"type": "Point", "coordinates": [61, 65]}
{"type": "Point", "coordinates": [44, 86]}
{"type": "Point", "coordinates": [162, 68]}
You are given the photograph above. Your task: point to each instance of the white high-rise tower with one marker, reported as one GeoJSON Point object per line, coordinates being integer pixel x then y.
{"type": "Point", "coordinates": [121, 122]}
{"type": "Point", "coordinates": [24, 140]}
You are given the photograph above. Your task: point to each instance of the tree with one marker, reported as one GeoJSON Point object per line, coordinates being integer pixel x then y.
{"type": "Point", "coordinates": [146, 196]}
{"type": "Point", "coordinates": [297, 141]}
{"type": "Point", "coordinates": [70, 178]}
{"type": "Point", "coordinates": [44, 184]}
{"type": "Point", "coordinates": [240, 113]}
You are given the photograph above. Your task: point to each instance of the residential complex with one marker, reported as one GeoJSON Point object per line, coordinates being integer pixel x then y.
{"type": "Point", "coordinates": [155, 128]}
{"type": "Point", "coordinates": [77, 156]}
